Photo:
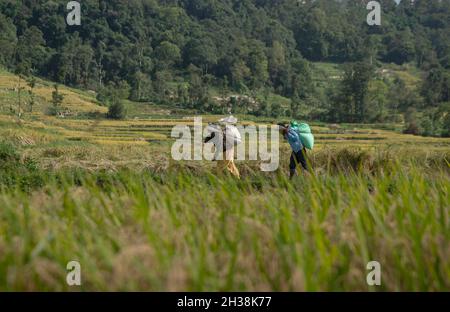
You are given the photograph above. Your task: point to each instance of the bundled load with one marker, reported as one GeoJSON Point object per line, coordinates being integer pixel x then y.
{"type": "Point", "coordinates": [231, 133]}
{"type": "Point", "coordinates": [305, 133]}
{"type": "Point", "coordinates": [225, 134]}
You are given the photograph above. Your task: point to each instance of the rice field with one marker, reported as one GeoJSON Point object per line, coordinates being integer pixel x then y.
{"type": "Point", "coordinates": [108, 195]}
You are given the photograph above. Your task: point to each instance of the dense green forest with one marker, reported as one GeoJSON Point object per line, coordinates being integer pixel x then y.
{"type": "Point", "coordinates": [188, 53]}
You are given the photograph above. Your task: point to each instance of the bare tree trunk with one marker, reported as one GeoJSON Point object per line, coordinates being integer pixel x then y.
{"type": "Point", "coordinates": [19, 96]}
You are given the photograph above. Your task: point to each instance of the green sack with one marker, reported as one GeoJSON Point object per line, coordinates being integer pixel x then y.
{"type": "Point", "coordinates": [307, 140]}
{"type": "Point", "coordinates": [306, 136]}
{"type": "Point", "coordinates": [304, 128]}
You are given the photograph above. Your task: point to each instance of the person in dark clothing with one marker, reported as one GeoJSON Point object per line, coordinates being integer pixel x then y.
{"type": "Point", "coordinates": [298, 156]}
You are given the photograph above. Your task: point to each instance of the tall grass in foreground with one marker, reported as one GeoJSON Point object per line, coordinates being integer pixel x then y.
{"type": "Point", "coordinates": [181, 231]}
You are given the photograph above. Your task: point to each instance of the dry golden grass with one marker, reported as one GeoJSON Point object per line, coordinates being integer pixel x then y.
{"type": "Point", "coordinates": [61, 143]}
{"type": "Point", "coordinates": [74, 101]}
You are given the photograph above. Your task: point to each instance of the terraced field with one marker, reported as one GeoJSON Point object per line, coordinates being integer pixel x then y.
{"type": "Point", "coordinates": [74, 100]}
{"type": "Point", "coordinates": [108, 194]}
{"type": "Point", "coordinates": [157, 130]}
{"type": "Point", "coordinates": [97, 144]}
{"type": "Point", "coordinates": [151, 125]}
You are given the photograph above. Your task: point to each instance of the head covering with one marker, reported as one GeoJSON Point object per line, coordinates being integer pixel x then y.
{"type": "Point", "coordinates": [294, 124]}
{"type": "Point", "coordinates": [230, 120]}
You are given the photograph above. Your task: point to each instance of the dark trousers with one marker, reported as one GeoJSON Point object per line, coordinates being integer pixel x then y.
{"type": "Point", "coordinates": [298, 158]}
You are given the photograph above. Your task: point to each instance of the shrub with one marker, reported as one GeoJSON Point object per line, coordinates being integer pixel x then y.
{"type": "Point", "coordinates": [8, 153]}
{"type": "Point", "coordinates": [17, 173]}
{"type": "Point", "coordinates": [412, 128]}
{"type": "Point", "coordinates": [446, 126]}
{"type": "Point", "coordinates": [116, 110]}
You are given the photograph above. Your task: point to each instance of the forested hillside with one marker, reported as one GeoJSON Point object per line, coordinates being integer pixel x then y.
{"type": "Point", "coordinates": [189, 53]}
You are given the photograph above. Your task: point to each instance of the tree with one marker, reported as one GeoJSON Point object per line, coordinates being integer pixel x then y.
{"type": "Point", "coordinates": [19, 96]}
{"type": "Point", "coordinates": [301, 80]}
{"type": "Point", "coordinates": [72, 64]}
{"type": "Point", "coordinates": [275, 110]}
{"type": "Point", "coordinates": [120, 90]}
{"type": "Point", "coordinates": [183, 95]}
{"type": "Point", "coordinates": [112, 96]}
{"type": "Point", "coordinates": [427, 126]}
{"type": "Point", "coordinates": [311, 35]}
{"type": "Point", "coordinates": [436, 86]}
{"type": "Point", "coordinates": [197, 89]}
{"type": "Point", "coordinates": [224, 87]}
{"type": "Point", "coordinates": [352, 98]}
{"type": "Point", "coordinates": [201, 53]}
{"type": "Point", "coordinates": [411, 122]}
{"type": "Point", "coordinates": [239, 73]}
{"type": "Point", "coordinates": [295, 107]}
{"type": "Point", "coordinates": [31, 84]}
{"type": "Point", "coordinates": [141, 88]}
{"type": "Point", "coordinates": [57, 99]}
{"type": "Point", "coordinates": [168, 54]}
{"type": "Point", "coordinates": [161, 85]}
{"type": "Point", "coordinates": [400, 47]}
{"type": "Point", "coordinates": [277, 61]}
{"type": "Point", "coordinates": [377, 100]}
{"type": "Point", "coordinates": [259, 65]}
{"type": "Point", "coordinates": [8, 41]}
{"type": "Point", "coordinates": [116, 109]}
{"type": "Point", "coordinates": [31, 54]}
{"type": "Point", "coordinates": [446, 124]}
{"type": "Point", "coordinates": [362, 75]}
